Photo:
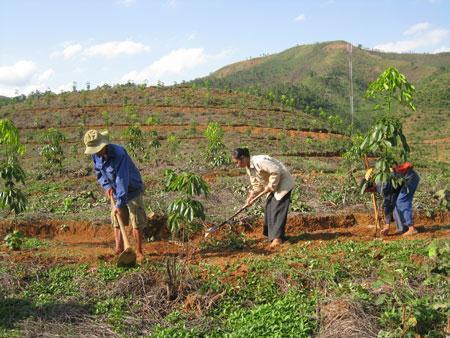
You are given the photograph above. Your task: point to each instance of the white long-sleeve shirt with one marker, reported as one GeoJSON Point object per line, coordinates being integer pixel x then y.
{"type": "Point", "coordinates": [265, 170]}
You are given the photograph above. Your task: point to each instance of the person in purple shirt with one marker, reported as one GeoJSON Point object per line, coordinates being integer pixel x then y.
{"type": "Point", "coordinates": [120, 179]}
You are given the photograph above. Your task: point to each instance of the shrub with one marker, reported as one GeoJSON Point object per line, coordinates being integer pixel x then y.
{"type": "Point", "coordinates": [14, 240]}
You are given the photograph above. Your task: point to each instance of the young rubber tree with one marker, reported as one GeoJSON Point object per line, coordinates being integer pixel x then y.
{"type": "Point", "coordinates": [52, 150]}
{"type": "Point", "coordinates": [174, 143]}
{"type": "Point", "coordinates": [185, 210]}
{"type": "Point", "coordinates": [385, 140]}
{"type": "Point", "coordinates": [11, 173]}
{"type": "Point", "coordinates": [135, 141]}
{"type": "Point", "coordinates": [216, 153]}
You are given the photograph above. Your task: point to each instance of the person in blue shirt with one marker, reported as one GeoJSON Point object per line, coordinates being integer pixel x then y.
{"type": "Point", "coordinates": [397, 201]}
{"type": "Point", "coordinates": [120, 179]}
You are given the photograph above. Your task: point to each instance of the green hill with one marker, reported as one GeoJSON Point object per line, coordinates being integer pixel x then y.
{"type": "Point", "coordinates": [317, 76]}
{"type": "Point", "coordinates": [4, 100]}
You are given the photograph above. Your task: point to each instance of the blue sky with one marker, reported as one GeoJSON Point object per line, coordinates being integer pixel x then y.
{"type": "Point", "coordinates": [51, 43]}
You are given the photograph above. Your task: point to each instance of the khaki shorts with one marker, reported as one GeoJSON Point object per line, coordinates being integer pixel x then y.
{"type": "Point", "coordinates": [133, 213]}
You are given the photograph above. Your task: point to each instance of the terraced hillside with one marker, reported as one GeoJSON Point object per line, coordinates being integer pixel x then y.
{"type": "Point", "coordinates": [317, 76]}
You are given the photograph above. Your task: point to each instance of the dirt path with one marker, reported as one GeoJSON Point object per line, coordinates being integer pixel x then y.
{"type": "Point", "coordinates": [77, 242]}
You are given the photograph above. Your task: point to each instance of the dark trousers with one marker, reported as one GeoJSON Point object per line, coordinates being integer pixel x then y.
{"type": "Point", "coordinates": [405, 197]}
{"type": "Point", "coordinates": [275, 216]}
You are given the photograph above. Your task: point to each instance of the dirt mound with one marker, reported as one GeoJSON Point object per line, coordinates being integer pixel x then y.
{"type": "Point", "coordinates": [83, 241]}
{"type": "Point", "coordinates": [79, 231]}
{"type": "Point", "coordinates": [59, 229]}
{"type": "Point", "coordinates": [85, 231]}
{"type": "Point", "coordinates": [298, 222]}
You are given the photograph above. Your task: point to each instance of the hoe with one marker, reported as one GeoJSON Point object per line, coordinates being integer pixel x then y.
{"type": "Point", "coordinates": [128, 257]}
{"type": "Point", "coordinates": [218, 226]}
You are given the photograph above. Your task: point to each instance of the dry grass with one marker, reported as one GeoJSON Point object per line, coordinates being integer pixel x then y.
{"type": "Point", "coordinates": [346, 318]}
{"type": "Point", "coordinates": [84, 326]}
{"type": "Point", "coordinates": [149, 296]}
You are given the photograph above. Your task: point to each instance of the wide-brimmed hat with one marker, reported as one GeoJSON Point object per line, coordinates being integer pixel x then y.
{"type": "Point", "coordinates": [95, 141]}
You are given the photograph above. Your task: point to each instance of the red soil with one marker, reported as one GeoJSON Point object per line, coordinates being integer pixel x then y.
{"type": "Point", "coordinates": [74, 242]}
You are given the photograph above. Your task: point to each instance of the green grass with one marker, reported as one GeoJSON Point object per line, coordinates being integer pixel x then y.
{"type": "Point", "coordinates": [32, 243]}
{"type": "Point", "coordinates": [403, 284]}
{"type": "Point", "coordinates": [278, 298]}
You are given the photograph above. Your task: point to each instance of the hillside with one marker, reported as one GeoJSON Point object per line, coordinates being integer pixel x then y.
{"type": "Point", "coordinates": [317, 76]}
{"type": "Point", "coordinates": [176, 105]}
{"type": "Point", "coordinates": [4, 100]}
{"type": "Point", "coordinates": [63, 279]}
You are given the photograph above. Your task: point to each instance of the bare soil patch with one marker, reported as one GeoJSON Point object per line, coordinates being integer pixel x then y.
{"type": "Point", "coordinates": [75, 242]}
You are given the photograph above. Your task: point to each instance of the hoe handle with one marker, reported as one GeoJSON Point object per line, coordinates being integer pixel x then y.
{"type": "Point", "coordinates": [216, 227]}
{"type": "Point", "coordinates": [374, 202]}
{"type": "Point", "coordinates": [126, 243]}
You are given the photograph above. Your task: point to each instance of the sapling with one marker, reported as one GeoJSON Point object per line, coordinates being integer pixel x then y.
{"type": "Point", "coordinates": [385, 140]}
{"type": "Point", "coordinates": [11, 173]}
{"type": "Point", "coordinates": [52, 150]}
{"type": "Point", "coordinates": [185, 210]}
{"type": "Point", "coordinates": [135, 140]}
{"type": "Point", "coordinates": [216, 154]}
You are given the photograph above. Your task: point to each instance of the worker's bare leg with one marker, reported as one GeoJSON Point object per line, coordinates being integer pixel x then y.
{"type": "Point", "coordinates": [137, 234]}
{"type": "Point", "coordinates": [119, 241]}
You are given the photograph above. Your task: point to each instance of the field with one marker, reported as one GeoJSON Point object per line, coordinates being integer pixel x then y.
{"type": "Point", "coordinates": [334, 275]}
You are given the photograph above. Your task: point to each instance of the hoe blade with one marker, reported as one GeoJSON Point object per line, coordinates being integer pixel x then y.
{"type": "Point", "coordinates": [127, 258]}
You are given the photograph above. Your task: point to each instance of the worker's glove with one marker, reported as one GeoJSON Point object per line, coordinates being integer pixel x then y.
{"type": "Point", "coordinates": [368, 174]}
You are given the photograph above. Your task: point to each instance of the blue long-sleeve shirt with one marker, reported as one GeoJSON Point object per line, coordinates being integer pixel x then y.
{"type": "Point", "coordinates": [118, 172]}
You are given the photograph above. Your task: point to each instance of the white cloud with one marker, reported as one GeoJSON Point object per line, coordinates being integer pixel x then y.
{"type": "Point", "coordinates": [422, 37]}
{"type": "Point", "coordinates": [172, 3]}
{"type": "Point", "coordinates": [79, 70]}
{"type": "Point", "coordinates": [300, 18]}
{"type": "Point", "coordinates": [12, 91]}
{"type": "Point", "coordinates": [71, 50]}
{"type": "Point", "coordinates": [192, 36]}
{"type": "Point", "coordinates": [417, 28]}
{"type": "Point", "coordinates": [126, 3]}
{"type": "Point", "coordinates": [443, 49]}
{"type": "Point", "coordinates": [108, 49]}
{"type": "Point", "coordinates": [175, 62]}
{"type": "Point", "coordinates": [223, 54]}
{"type": "Point", "coordinates": [67, 87]}
{"type": "Point", "coordinates": [55, 54]}
{"type": "Point", "coordinates": [18, 74]}
{"type": "Point", "coordinates": [115, 48]}
{"type": "Point", "coordinates": [23, 77]}
{"type": "Point", "coordinates": [44, 76]}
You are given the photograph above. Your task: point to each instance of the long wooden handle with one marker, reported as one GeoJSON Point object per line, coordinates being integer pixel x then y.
{"type": "Point", "coordinates": [256, 198]}
{"type": "Point", "coordinates": [126, 243]}
{"type": "Point", "coordinates": [374, 201]}
{"type": "Point", "coordinates": [216, 227]}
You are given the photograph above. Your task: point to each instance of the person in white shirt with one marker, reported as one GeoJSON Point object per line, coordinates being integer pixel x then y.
{"type": "Point", "coordinates": [272, 177]}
